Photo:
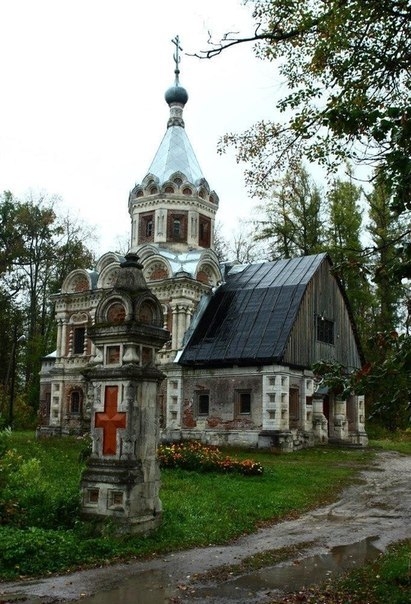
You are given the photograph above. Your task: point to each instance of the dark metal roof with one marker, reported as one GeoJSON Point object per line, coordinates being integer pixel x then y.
{"type": "Point", "coordinates": [249, 318]}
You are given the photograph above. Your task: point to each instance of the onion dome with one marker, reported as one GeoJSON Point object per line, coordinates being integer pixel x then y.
{"type": "Point", "coordinates": [176, 95]}
{"type": "Point", "coordinates": [175, 153]}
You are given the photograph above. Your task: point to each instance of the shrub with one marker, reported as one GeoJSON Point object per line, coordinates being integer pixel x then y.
{"type": "Point", "coordinates": [29, 498]}
{"type": "Point", "coordinates": [192, 455]}
{"type": "Point", "coordinates": [4, 441]}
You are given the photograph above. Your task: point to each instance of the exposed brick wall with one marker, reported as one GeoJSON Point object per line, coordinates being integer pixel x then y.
{"type": "Point", "coordinates": [172, 217]}
{"type": "Point", "coordinates": [146, 227]}
{"type": "Point", "coordinates": [204, 231]}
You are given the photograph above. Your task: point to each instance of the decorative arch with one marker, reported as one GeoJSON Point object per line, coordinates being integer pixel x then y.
{"type": "Point", "coordinates": [79, 318]}
{"type": "Point", "coordinates": [149, 311]}
{"type": "Point", "coordinates": [203, 185]}
{"type": "Point", "coordinates": [178, 178]}
{"type": "Point", "coordinates": [146, 251]}
{"type": "Point", "coordinates": [76, 282]}
{"type": "Point", "coordinates": [214, 198]}
{"type": "Point", "coordinates": [107, 259]}
{"type": "Point", "coordinates": [156, 270]}
{"type": "Point", "coordinates": [114, 309]}
{"type": "Point", "coordinates": [168, 187]}
{"type": "Point", "coordinates": [108, 276]}
{"type": "Point", "coordinates": [208, 270]}
{"type": "Point", "coordinates": [150, 180]}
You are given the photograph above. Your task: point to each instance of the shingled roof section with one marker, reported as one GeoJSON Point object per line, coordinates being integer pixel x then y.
{"type": "Point", "coordinates": [249, 318]}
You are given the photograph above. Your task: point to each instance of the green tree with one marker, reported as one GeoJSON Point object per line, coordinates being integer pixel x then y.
{"type": "Point", "coordinates": [37, 249]}
{"type": "Point", "coordinates": [346, 249]}
{"type": "Point", "coordinates": [386, 231]}
{"type": "Point", "coordinates": [293, 216]}
{"type": "Point", "coordinates": [346, 66]}
{"type": "Point", "coordinates": [386, 381]}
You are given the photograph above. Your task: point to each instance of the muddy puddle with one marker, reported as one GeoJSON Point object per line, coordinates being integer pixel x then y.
{"type": "Point", "coordinates": [157, 587]}
{"type": "Point", "coordinates": [149, 587]}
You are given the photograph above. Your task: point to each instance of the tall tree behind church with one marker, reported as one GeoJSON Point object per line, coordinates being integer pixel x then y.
{"type": "Point", "coordinates": [389, 234]}
{"type": "Point", "coordinates": [46, 248]}
{"type": "Point", "coordinates": [345, 247]}
{"type": "Point", "coordinates": [293, 217]}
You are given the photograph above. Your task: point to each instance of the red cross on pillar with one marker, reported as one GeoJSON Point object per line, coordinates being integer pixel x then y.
{"type": "Point", "coordinates": [110, 420]}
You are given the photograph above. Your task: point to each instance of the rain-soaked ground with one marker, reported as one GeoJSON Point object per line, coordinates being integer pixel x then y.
{"type": "Point", "coordinates": [372, 513]}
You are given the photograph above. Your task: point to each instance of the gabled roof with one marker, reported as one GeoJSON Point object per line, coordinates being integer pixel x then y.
{"type": "Point", "coordinates": [249, 318]}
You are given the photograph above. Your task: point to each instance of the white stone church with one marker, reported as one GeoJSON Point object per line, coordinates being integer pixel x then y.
{"type": "Point", "coordinates": [243, 338]}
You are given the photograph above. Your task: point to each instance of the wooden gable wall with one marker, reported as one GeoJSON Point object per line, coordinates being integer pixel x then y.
{"type": "Point", "coordinates": [323, 297]}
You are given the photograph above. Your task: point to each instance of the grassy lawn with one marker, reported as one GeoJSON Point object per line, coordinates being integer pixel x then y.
{"type": "Point", "coordinates": [40, 530]}
{"type": "Point", "coordinates": [39, 502]}
{"type": "Point", "coordinates": [400, 442]}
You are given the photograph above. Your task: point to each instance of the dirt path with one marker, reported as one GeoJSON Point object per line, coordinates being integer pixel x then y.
{"type": "Point", "coordinates": [373, 512]}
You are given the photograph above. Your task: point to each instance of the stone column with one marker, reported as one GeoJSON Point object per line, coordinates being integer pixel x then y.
{"type": "Point", "coordinates": [63, 348]}
{"type": "Point", "coordinates": [320, 424]}
{"type": "Point", "coordinates": [340, 423]}
{"type": "Point", "coordinates": [174, 328]}
{"type": "Point", "coordinates": [122, 478]}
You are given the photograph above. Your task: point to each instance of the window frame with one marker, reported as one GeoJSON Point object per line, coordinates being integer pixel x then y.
{"type": "Point", "coordinates": [79, 339]}
{"type": "Point", "coordinates": [201, 395]}
{"type": "Point", "coordinates": [325, 330]}
{"type": "Point", "coordinates": [76, 403]}
{"type": "Point", "coordinates": [240, 401]}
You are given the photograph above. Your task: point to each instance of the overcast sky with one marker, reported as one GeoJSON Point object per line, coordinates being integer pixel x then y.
{"type": "Point", "coordinates": [82, 107]}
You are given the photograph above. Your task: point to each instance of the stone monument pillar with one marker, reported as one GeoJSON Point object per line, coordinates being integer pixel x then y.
{"type": "Point", "coordinates": [122, 478]}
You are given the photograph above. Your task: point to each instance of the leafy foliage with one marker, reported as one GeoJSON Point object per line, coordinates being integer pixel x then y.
{"type": "Point", "coordinates": [38, 247]}
{"type": "Point", "coordinates": [386, 381]}
{"type": "Point", "coordinates": [346, 69]}
{"type": "Point", "coordinates": [293, 216]}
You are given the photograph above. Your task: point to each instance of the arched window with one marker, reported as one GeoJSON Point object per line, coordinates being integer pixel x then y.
{"type": "Point", "coordinates": [146, 313]}
{"type": "Point", "coordinates": [177, 226]}
{"type": "Point", "coordinates": [116, 313]}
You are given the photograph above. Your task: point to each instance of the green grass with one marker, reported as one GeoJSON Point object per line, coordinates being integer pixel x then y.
{"type": "Point", "coordinates": [43, 534]}
{"type": "Point", "coordinates": [397, 441]}
{"type": "Point", "coordinates": [381, 438]}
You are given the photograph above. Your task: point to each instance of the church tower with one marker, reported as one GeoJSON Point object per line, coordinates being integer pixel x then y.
{"type": "Point", "coordinates": [173, 206]}
{"type": "Point", "coordinates": [172, 215]}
